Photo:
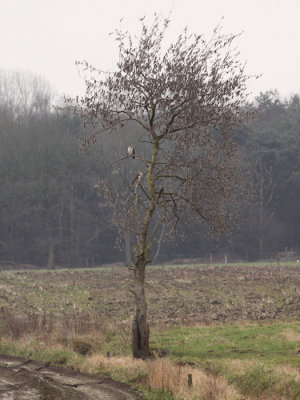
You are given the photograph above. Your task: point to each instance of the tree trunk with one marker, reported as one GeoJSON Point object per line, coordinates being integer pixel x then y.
{"type": "Point", "coordinates": [140, 327]}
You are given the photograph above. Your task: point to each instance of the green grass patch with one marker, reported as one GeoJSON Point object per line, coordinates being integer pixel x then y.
{"type": "Point", "coordinates": [259, 359]}
{"type": "Point", "coordinates": [32, 350]}
{"type": "Point", "coordinates": [154, 394]}
{"type": "Point", "coordinates": [265, 341]}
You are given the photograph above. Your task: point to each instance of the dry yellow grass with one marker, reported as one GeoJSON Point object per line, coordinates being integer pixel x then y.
{"type": "Point", "coordinates": [240, 366]}
{"type": "Point", "coordinates": [164, 374]}
{"type": "Point", "coordinates": [288, 372]}
{"type": "Point", "coordinates": [290, 335]}
{"type": "Point", "coordinates": [119, 368]}
{"type": "Point", "coordinates": [101, 363]}
{"type": "Point", "coordinates": [283, 374]}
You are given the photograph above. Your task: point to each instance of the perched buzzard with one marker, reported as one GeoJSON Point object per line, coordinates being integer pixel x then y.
{"type": "Point", "coordinates": [137, 179]}
{"type": "Point", "coordinates": [131, 151]}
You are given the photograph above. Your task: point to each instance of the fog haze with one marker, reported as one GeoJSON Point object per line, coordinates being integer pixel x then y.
{"type": "Point", "coordinates": [47, 37]}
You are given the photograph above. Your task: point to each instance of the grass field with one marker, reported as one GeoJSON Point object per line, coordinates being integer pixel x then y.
{"type": "Point", "coordinates": [235, 328]}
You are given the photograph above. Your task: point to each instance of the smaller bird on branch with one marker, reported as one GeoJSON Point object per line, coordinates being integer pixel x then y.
{"type": "Point", "coordinates": [131, 151]}
{"type": "Point", "coordinates": [137, 179]}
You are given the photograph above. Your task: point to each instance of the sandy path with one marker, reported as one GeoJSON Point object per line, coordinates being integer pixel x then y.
{"type": "Point", "coordinates": [22, 379]}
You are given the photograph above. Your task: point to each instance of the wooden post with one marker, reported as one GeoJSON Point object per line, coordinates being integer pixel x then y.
{"type": "Point", "coordinates": [190, 380]}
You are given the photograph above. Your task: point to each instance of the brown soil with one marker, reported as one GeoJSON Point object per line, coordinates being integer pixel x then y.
{"type": "Point", "coordinates": [22, 379]}
{"type": "Point", "coordinates": [198, 294]}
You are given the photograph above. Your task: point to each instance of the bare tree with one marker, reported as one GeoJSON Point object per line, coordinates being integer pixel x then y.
{"type": "Point", "coordinates": [187, 100]}
{"type": "Point", "coordinates": [24, 93]}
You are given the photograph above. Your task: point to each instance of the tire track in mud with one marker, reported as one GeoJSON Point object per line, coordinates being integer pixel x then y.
{"type": "Point", "coordinates": [22, 379]}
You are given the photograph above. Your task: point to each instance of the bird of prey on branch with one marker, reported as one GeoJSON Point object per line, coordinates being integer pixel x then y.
{"type": "Point", "coordinates": [131, 151]}
{"type": "Point", "coordinates": [137, 179]}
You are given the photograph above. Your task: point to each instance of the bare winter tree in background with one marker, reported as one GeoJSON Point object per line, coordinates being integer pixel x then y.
{"type": "Point", "coordinates": [187, 99]}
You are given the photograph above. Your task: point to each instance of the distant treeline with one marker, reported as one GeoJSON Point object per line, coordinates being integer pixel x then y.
{"type": "Point", "coordinates": [49, 208]}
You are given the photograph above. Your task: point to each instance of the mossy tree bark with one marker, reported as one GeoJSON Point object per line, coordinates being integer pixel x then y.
{"type": "Point", "coordinates": [140, 327]}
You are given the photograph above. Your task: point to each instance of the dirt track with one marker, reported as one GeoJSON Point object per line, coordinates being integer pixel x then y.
{"type": "Point", "coordinates": [22, 379]}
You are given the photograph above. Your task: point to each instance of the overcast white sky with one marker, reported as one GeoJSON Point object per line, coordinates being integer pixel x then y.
{"type": "Point", "coordinates": [48, 36]}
